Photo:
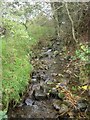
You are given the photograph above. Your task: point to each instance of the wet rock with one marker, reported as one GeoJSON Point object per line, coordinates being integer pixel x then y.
{"type": "Point", "coordinates": [34, 80]}
{"type": "Point", "coordinates": [29, 102]}
{"type": "Point", "coordinates": [46, 67]}
{"type": "Point", "coordinates": [49, 51]}
{"type": "Point", "coordinates": [57, 104]}
{"type": "Point", "coordinates": [43, 48]}
{"type": "Point", "coordinates": [49, 82]}
{"type": "Point", "coordinates": [39, 95]}
{"type": "Point", "coordinates": [82, 105]}
{"type": "Point", "coordinates": [64, 109]}
{"type": "Point", "coordinates": [33, 74]}
{"type": "Point", "coordinates": [47, 89]}
{"type": "Point", "coordinates": [54, 62]}
{"type": "Point", "coordinates": [46, 54]}
{"type": "Point", "coordinates": [60, 75]}
{"type": "Point", "coordinates": [44, 61]}
{"type": "Point", "coordinates": [88, 111]}
{"type": "Point", "coordinates": [54, 93]}
{"type": "Point", "coordinates": [54, 74]}
{"type": "Point", "coordinates": [39, 77]}
{"type": "Point", "coordinates": [58, 43]}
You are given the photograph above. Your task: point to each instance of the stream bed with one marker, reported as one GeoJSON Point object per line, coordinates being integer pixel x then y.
{"type": "Point", "coordinates": [43, 99]}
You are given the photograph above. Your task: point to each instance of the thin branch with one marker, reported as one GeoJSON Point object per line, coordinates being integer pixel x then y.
{"type": "Point", "coordinates": [72, 23]}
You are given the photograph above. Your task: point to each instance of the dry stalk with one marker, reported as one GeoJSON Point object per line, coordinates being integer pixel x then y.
{"type": "Point", "coordinates": [68, 96]}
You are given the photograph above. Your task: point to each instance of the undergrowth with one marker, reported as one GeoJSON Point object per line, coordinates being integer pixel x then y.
{"type": "Point", "coordinates": [16, 54]}
{"type": "Point", "coordinates": [16, 66]}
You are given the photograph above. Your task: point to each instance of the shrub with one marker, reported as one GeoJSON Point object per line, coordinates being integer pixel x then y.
{"type": "Point", "coordinates": [16, 66]}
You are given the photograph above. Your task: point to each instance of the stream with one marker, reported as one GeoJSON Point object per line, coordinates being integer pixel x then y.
{"type": "Point", "coordinates": [43, 99]}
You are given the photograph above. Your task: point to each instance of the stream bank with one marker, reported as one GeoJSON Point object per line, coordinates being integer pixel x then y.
{"type": "Point", "coordinates": [49, 95]}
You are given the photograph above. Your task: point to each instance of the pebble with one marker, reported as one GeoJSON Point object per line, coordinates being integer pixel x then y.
{"type": "Point", "coordinates": [39, 95]}
{"type": "Point", "coordinates": [29, 102]}
{"type": "Point", "coordinates": [63, 109]}
{"type": "Point", "coordinates": [82, 105]}
{"type": "Point", "coordinates": [54, 74]}
{"type": "Point", "coordinates": [34, 80]}
{"type": "Point", "coordinates": [57, 104]}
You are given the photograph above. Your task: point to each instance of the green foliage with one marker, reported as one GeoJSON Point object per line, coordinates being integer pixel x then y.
{"type": "Point", "coordinates": [74, 88]}
{"type": "Point", "coordinates": [15, 55]}
{"type": "Point", "coordinates": [61, 95]}
{"type": "Point", "coordinates": [41, 32]}
{"type": "Point", "coordinates": [83, 53]}
{"type": "Point", "coordinates": [16, 45]}
{"type": "Point", "coordinates": [3, 115]}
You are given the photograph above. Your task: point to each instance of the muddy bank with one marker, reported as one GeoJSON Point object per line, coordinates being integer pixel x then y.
{"type": "Point", "coordinates": [48, 95]}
